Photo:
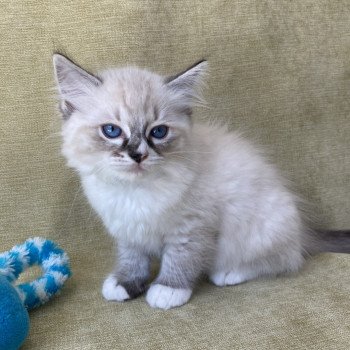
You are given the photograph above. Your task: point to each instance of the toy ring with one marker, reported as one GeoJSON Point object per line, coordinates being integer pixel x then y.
{"type": "Point", "coordinates": [53, 261]}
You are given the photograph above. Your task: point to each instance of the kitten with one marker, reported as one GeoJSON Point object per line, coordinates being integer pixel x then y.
{"type": "Point", "coordinates": [201, 199]}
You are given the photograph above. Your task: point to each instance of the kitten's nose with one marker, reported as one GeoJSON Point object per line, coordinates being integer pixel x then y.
{"type": "Point", "coordinates": [138, 157]}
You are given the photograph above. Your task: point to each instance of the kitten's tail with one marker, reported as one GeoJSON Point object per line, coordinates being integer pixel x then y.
{"type": "Point", "coordinates": [322, 241]}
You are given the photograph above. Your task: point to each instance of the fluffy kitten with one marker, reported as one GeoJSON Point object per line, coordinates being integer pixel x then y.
{"type": "Point", "coordinates": [201, 199]}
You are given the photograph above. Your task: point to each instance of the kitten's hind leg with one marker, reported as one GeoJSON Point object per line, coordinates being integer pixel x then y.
{"type": "Point", "coordinates": [231, 277]}
{"type": "Point", "coordinates": [248, 251]}
{"type": "Point", "coordinates": [266, 266]}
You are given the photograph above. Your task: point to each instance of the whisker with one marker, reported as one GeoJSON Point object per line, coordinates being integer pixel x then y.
{"type": "Point", "coordinates": [190, 152]}
{"type": "Point", "coordinates": [184, 158]}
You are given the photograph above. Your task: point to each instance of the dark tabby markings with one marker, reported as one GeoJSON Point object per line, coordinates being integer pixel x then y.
{"type": "Point", "coordinates": [102, 144]}
{"type": "Point", "coordinates": [132, 146]}
{"type": "Point", "coordinates": [135, 288]}
{"type": "Point", "coordinates": [173, 77]}
{"type": "Point", "coordinates": [163, 146]}
{"type": "Point", "coordinates": [153, 146]}
{"type": "Point", "coordinates": [156, 113]}
{"type": "Point", "coordinates": [117, 154]}
{"type": "Point", "coordinates": [123, 146]}
{"type": "Point", "coordinates": [134, 142]}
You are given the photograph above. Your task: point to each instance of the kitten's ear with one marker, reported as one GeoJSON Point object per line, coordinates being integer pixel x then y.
{"type": "Point", "coordinates": [188, 81]}
{"type": "Point", "coordinates": [73, 83]}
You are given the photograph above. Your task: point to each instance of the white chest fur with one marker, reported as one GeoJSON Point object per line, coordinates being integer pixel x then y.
{"type": "Point", "coordinates": [138, 213]}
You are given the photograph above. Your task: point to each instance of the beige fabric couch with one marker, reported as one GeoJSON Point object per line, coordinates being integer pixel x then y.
{"type": "Point", "coordinates": [280, 71]}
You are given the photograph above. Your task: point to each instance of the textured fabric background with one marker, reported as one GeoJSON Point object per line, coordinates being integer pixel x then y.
{"type": "Point", "coordinates": [280, 71]}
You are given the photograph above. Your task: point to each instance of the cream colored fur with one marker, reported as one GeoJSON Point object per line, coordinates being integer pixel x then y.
{"type": "Point", "coordinates": [209, 203]}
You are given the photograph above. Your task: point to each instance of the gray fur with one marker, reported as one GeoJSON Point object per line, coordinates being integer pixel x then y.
{"type": "Point", "coordinates": [132, 270]}
{"type": "Point", "coordinates": [185, 261]}
{"type": "Point", "coordinates": [204, 200]}
{"type": "Point", "coordinates": [319, 241]}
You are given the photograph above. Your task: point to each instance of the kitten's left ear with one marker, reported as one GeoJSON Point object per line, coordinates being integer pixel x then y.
{"type": "Point", "coordinates": [188, 81]}
{"type": "Point", "coordinates": [73, 83]}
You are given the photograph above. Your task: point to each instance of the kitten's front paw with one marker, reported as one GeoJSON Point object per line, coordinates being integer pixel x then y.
{"type": "Point", "coordinates": [166, 298]}
{"type": "Point", "coordinates": [112, 291]}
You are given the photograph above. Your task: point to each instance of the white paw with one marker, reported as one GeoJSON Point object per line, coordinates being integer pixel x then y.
{"type": "Point", "coordinates": [112, 291]}
{"type": "Point", "coordinates": [227, 278]}
{"type": "Point", "coordinates": [165, 297]}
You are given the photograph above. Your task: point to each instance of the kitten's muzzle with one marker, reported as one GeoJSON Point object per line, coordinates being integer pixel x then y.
{"type": "Point", "coordinates": [138, 157]}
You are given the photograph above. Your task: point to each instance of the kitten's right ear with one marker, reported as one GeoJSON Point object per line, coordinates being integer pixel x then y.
{"type": "Point", "coordinates": [73, 82]}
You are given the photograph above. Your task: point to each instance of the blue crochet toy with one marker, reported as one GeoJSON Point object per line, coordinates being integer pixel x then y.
{"type": "Point", "coordinates": [16, 300]}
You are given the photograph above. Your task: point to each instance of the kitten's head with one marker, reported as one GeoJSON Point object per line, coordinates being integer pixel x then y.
{"type": "Point", "coordinates": [125, 123]}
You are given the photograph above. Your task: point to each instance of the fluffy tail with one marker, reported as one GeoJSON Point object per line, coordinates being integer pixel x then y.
{"type": "Point", "coordinates": [323, 241]}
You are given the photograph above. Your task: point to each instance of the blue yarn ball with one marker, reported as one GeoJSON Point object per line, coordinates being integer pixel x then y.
{"type": "Point", "coordinates": [14, 318]}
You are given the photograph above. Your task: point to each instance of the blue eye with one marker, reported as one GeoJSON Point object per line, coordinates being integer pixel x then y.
{"type": "Point", "coordinates": [111, 131]}
{"type": "Point", "coordinates": [159, 131]}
